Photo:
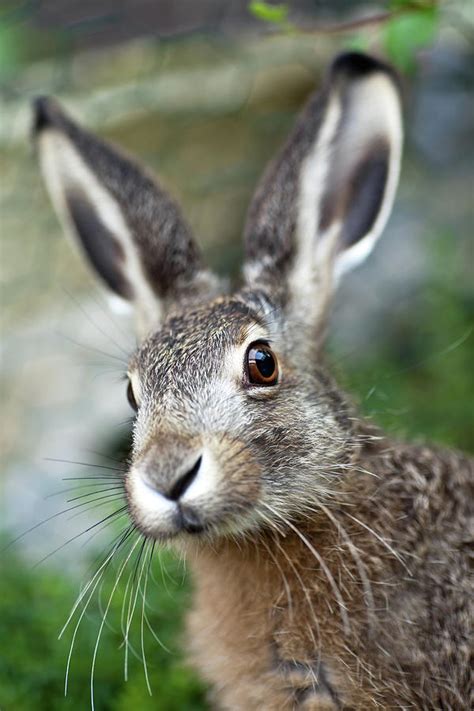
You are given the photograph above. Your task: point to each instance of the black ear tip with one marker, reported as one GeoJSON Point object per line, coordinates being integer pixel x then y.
{"type": "Point", "coordinates": [46, 113]}
{"type": "Point", "coordinates": [357, 65]}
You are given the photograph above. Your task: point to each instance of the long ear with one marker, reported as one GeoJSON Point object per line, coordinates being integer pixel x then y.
{"type": "Point", "coordinates": [326, 198]}
{"type": "Point", "coordinates": [127, 227]}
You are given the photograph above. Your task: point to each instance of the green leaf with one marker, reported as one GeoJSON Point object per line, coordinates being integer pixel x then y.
{"type": "Point", "coordinates": [406, 33]}
{"type": "Point", "coordinates": [262, 10]}
{"type": "Point", "coordinates": [412, 4]}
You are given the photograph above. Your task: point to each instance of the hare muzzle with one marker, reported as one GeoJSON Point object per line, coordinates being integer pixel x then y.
{"type": "Point", "coordinates": [167, 488]}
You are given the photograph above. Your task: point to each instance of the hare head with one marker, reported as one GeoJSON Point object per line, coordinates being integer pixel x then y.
{"type": "Point", "coordinates": [236, 420]}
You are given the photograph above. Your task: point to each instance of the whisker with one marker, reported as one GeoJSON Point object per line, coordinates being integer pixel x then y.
{"type": "Point", "coordinates": [82, 504]}
{"type": "Point", "coordinates": [88, 506]}
{"type": "Point", "coordinates": [123, 616]}
{"type": "Point", "coordinates": [97, 532]}
{"type": "Point", "coordinates": [98, 328]}
{"type": "Point", "coordinates": [109, 314]}
{"type": "Point", "coordinates": [84, 464]}
{"type": "Point", "coordinates": [95, 477]}
{"type": "Point", "coordinates": [142, 637]}
{"type": "Point", "coordinates": [316, 644]}
{"type": "Point", "coordinates": [368, 596]}
{"type": "Point", "coordinates": [105, 456]}
{"type": "Point", "coordinates": [110, 545]}
{"type": "Point", "coordinates": [115, 487]}
{"type": "Point", "coordinates": [39, 524]}
{"type": "Point", "coordinates": [99, 575]}
{"type": "Point", "coordinates": [380, 539]}
{"type": "Point", "coordinates": [74, 634]}
{"type": "Point", "coordinates": [146, 618]}
{"type": "Point", "coordinates": [283, 577]}
{"type": "Point", "coordinates": [92, 349]}
{"type": "Point", "coordinates": [324, 568]}
{"type": "Point", "coordinates": [122, 537]}
{"type": "Point", "coordinates": [134, 597]}
{"type": "Point", "coordinates": [81, 487]}
{"type": "Point", "coordinates": [99, 634]}
{"type": "Point", "coordinates": [116, 513]}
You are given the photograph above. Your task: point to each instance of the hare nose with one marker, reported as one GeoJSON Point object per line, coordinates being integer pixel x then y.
{"type": "Point", "coordinates": [183, 481]}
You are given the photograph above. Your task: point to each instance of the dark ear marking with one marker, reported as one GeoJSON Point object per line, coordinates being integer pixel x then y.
{"type": "Point", "coordinates": [100, 247]}
{"type": "Point", "coordinates": [368, 184]}
{"type": "Point", "coordinates": [359, 201]}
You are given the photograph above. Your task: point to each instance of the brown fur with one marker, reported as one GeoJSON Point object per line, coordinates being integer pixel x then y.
{"type": "Point", "coordinates": [332, 566]}
{"type": "Point", "coordinates": [265, 609]}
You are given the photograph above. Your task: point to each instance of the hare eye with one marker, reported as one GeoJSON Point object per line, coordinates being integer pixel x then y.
{"type": "Point", "coordinates": [131, 397]}
{"type": "Point", "coordinates": [262, 365]}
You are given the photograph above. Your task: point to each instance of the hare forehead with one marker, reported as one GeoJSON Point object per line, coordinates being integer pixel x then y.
{"type": "Point", "coordinates": [194, 346]}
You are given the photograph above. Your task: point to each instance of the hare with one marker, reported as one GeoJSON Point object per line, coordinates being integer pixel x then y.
{"type": "Point", "coordinates": [330, 562]}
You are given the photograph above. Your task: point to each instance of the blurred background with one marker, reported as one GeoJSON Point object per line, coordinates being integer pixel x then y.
{"type": "Point", "coordinates": [204, 93]}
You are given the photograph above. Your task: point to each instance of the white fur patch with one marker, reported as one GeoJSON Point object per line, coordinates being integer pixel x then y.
{"type": "Point", "coordinates": [314, 171]}
{"type": "Point", "coordinates": [204, 484]}
{"type": "Point", "coordinates": [155, 510]}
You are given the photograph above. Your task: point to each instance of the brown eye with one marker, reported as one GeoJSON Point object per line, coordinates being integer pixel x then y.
{"type": "Point", "coordinates": [131, 397]}
{"type": "Point", "coordinates": [262, 365]}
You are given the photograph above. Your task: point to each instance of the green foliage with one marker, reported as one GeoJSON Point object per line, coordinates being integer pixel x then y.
{"type": "Point", "coordinates": [277, 14]}
{"type": "Point", "coordinates": [11, 39]}
{"type": "Point", "coordinates": [408, 32]}
{"type": "Point", "coordinates": [409, 25]}
{"type": "Point", "coordinates": [418, 385]}
{"type": "Point", "coordinates": [411, 4]}
{"type": "Point", "coordinates": [35, 604]}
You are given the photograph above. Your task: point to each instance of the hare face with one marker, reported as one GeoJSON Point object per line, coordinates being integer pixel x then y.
{"type": "Point", "coordinates": [218, 447]}
{"type": "Point", "coordinates": [236, 422]}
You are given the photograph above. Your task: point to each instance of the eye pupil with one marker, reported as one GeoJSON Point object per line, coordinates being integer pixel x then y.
{"type": "Point", "coordinates": [265, 363]}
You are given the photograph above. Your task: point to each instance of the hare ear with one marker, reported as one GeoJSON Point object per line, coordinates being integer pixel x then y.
{"type": "Point", "coordinates": [325, 200]}
{"type": "Point", "coordinates": [127, 227]}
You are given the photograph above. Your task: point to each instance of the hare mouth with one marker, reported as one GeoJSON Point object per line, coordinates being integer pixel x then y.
{"type": "Point", "coordinates": [188, 520]}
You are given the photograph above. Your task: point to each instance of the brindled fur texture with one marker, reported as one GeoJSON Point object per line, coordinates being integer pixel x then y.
{"type": "Point", "coordinates": [332, 565]}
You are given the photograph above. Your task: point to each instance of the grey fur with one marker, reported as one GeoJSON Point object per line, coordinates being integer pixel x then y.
{"type": "Point", "coordinates": [333, 565]}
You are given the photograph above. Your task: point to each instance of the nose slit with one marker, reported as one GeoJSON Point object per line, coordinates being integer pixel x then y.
{"type": "Point", "coordinates": [180, 486]}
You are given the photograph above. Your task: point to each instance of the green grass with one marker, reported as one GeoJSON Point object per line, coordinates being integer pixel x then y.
{"type": "Point", "coordinates": [418, 382]}
{"type": "Point", "coordinates": [34, 605]}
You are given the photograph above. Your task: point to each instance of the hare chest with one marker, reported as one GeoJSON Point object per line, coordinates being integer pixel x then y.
{"type": "Point", "coordinates": [256, 637]}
